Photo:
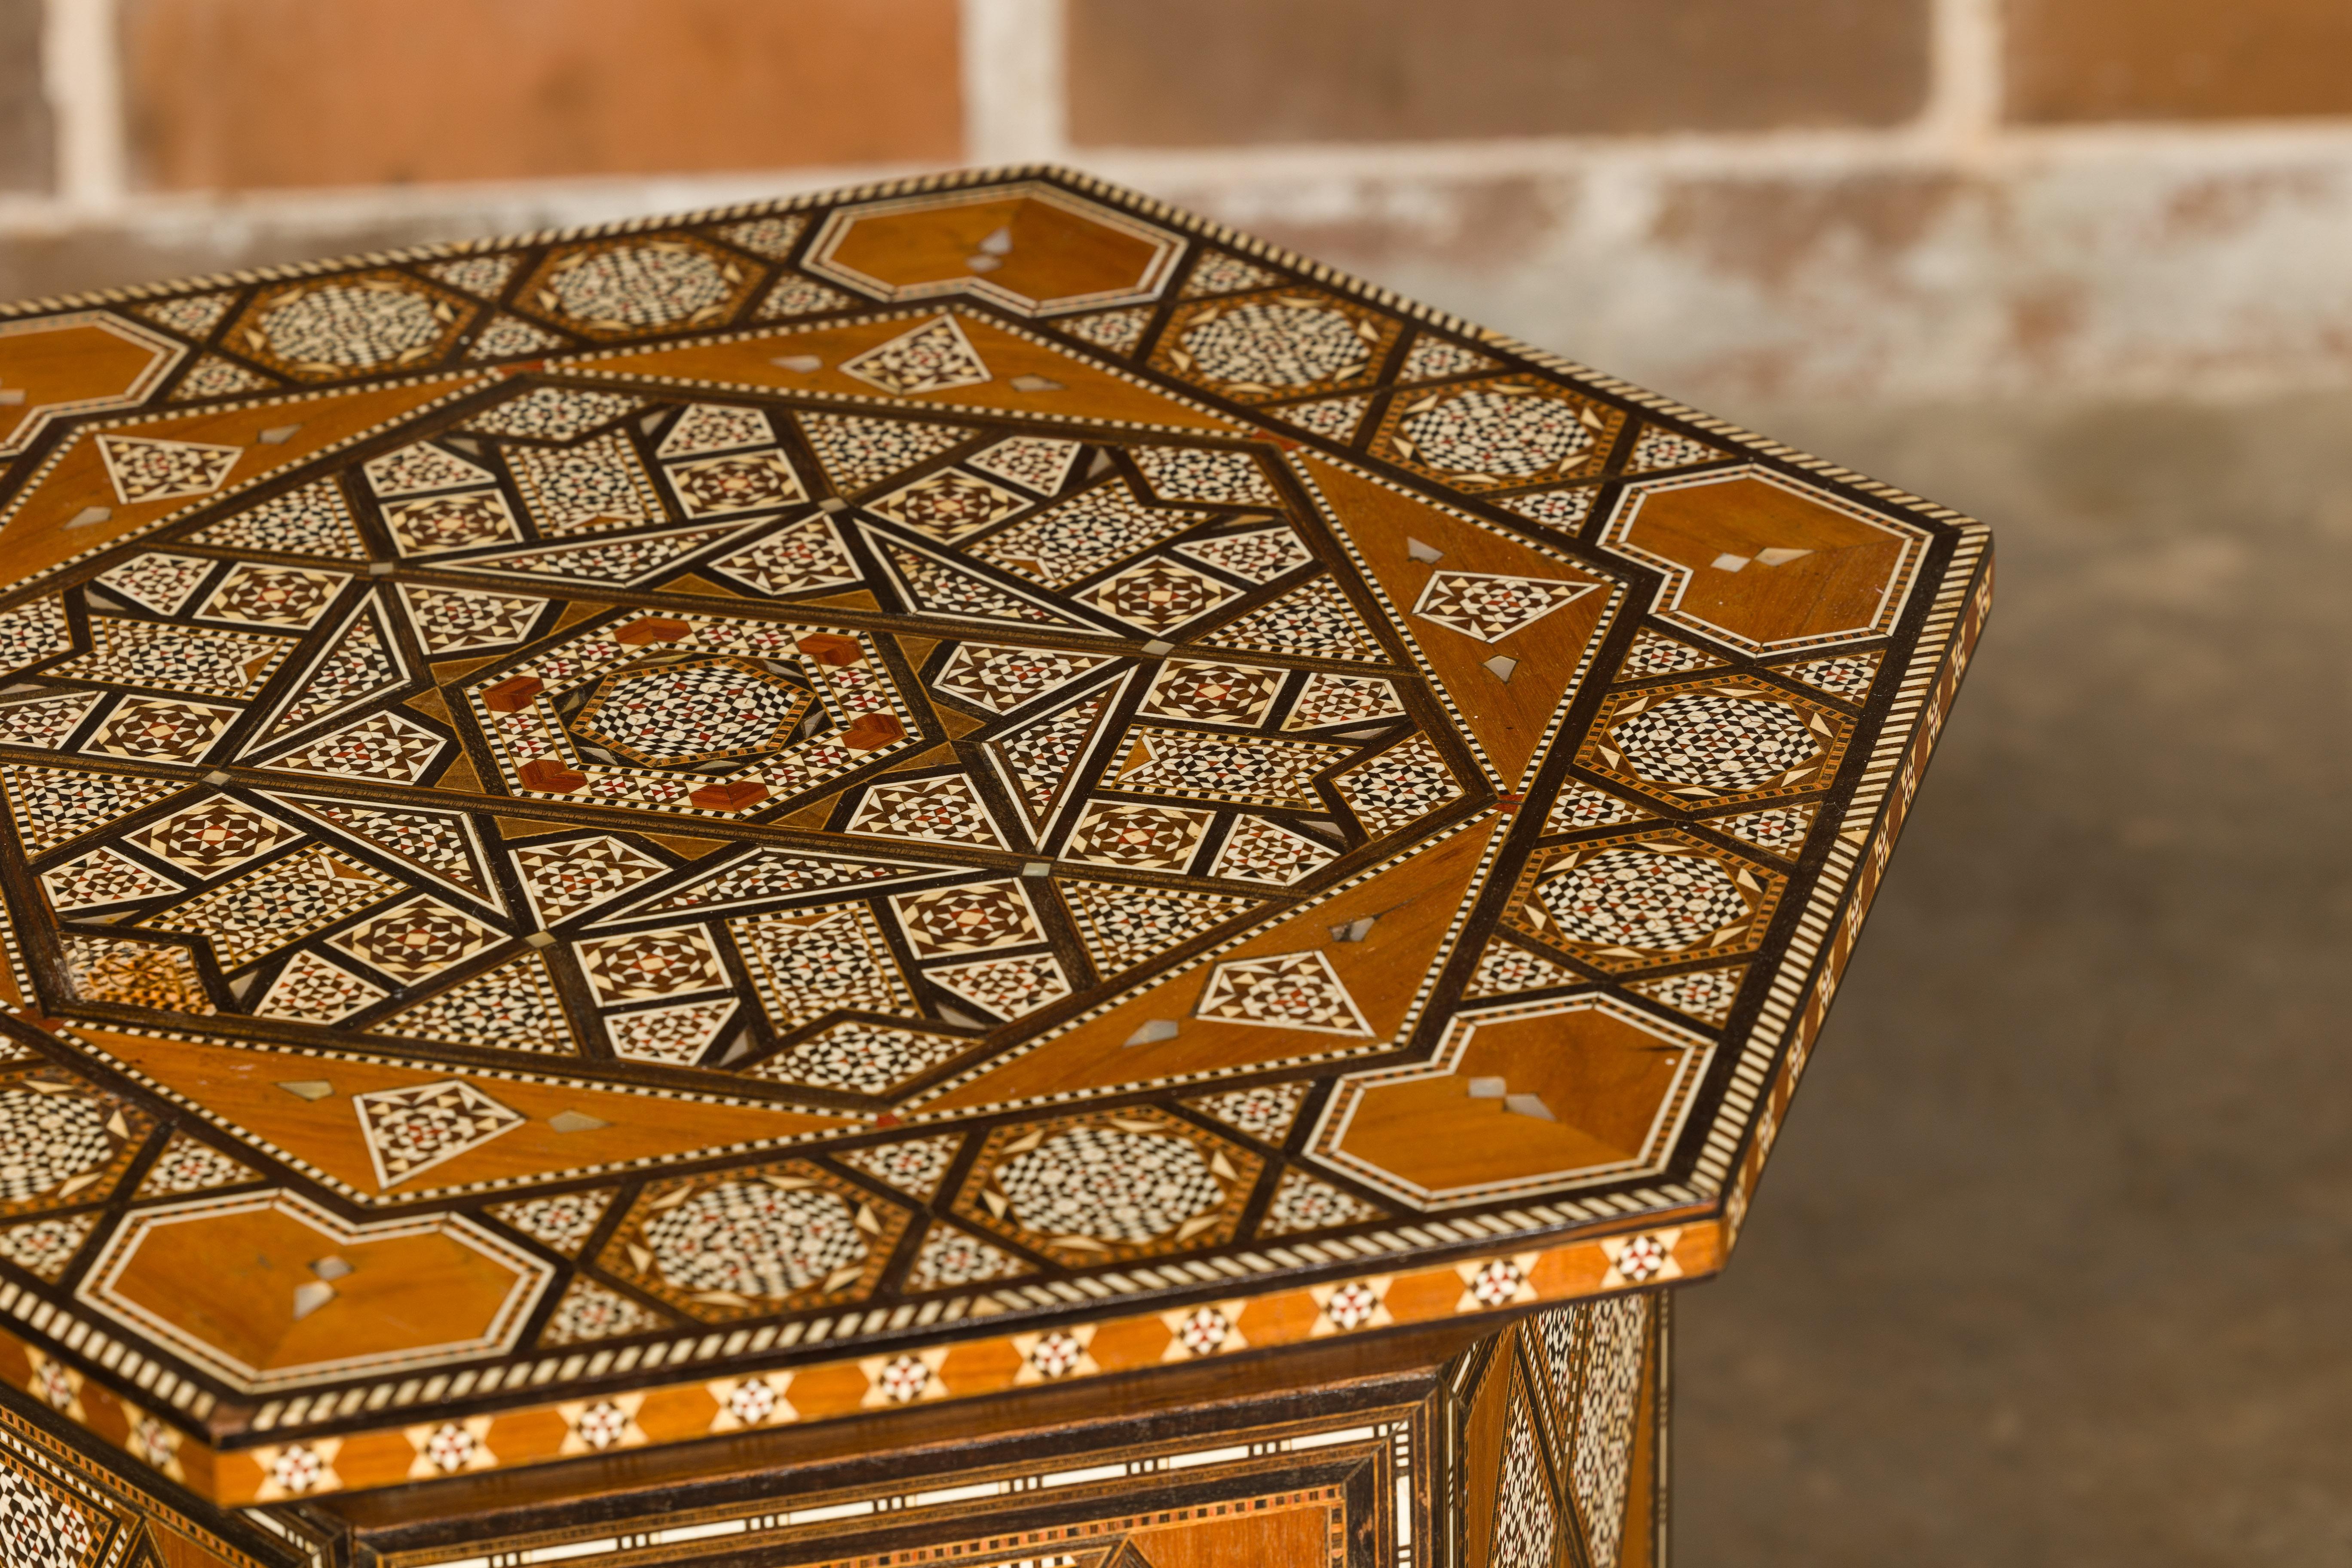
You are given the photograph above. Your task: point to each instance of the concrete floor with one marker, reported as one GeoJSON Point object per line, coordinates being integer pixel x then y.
{"type": "Point", "coordinates": [2052, 1262]}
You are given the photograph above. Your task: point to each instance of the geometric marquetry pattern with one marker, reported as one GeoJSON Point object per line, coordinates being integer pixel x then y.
{"type": "Point", "coordinates": [1714, 740]}
{"type": "Point", "coordinates": [65, 1503]}
{"type": "Point", "coordinates": [1298, 1493]}
{"type": "Point", "coordinates": [1595, 1355]}
{"type": "Point", "coordinates": [1547, 1414]}
{"type": "Point", "coordinates": [1107, 1186]}
{"type": "Point", "coordinates": [1525, 1523]}
{"type": "Point", "coordinates": [917, 824]}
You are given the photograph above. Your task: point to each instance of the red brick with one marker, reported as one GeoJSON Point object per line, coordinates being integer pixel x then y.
{"type": "Point", "coordinates": [1770, 231]}
{"type": "Point", "coordinates": [24, 144]}
{"type": "Point", "coordinates": [2178, 59]}
{"type": "Point", "coordinates": [239, 94]}
{"type": "Point", "coordinates": [1231, 72]}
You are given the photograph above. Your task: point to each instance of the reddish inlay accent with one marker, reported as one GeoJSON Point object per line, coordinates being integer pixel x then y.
{"type": "Point", "coordinates": [826, 649]}
{"type": "Point", "coordinates": [870, 731]}
{"type": "Point", "coordinates": [547, 773]}
{"type": "Point", "coordinates": [513, 694]}
{"type": "Point", "coordinates": [729, 796]}
{"type": "Point", "coordinates": [651, 629]}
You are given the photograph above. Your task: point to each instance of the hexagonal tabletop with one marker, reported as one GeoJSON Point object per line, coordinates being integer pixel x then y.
{"type": "Point", "coordinates": [620, 836]}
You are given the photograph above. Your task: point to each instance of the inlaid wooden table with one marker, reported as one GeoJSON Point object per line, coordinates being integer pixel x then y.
{"type": "Point", "coordinates": [964, 872]}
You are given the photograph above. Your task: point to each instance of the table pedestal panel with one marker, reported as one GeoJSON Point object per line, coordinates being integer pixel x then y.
{"type": "Point", "coordinates": [1541, 1443]}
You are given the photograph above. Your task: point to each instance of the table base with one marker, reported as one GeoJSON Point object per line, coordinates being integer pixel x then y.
{"type": "Point", "coordinates": [1544, 1442]}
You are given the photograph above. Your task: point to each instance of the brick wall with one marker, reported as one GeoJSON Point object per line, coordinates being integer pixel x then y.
{"type": "Point", "coordinates": [1240, 73]}
{"type": "Point", "coordinates": [1733, 198]}
{"type": "Point", "coordinates": [240, 95]}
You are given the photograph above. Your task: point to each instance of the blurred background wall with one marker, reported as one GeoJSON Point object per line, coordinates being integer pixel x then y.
{"type": "Point", "coordinates": [1848, 198]}
{"type": "Point", "coordinates": [2051, 1265]}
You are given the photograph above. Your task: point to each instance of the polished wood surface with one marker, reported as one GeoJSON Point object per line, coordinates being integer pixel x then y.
{"type": "Point", "coordinates": [926, 798]}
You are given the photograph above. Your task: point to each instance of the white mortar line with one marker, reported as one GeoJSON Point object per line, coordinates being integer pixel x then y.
{"type": "Point", "coordinates": [512, 204]}
{"type": "Point", "coordinates": [99, 199]}
{"type": "Point", "coordinates": [1794, 152]}
{"type": "Point", "coordinates": [1013, 81]}
{"type": "Point", "coordinates": [1964, 99]}
{"type": "Point", "coordinates": [82, 71]}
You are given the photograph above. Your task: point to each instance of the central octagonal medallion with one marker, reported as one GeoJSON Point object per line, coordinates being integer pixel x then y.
{"type": "Point", "coordinates": [708, 714]}
{"type": "Point", "coordinates": [693, 713]}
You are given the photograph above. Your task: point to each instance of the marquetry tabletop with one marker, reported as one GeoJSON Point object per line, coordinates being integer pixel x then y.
{"type": "Point", "coordinates": [870, 802]}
